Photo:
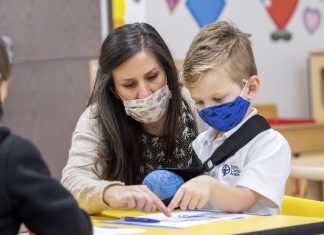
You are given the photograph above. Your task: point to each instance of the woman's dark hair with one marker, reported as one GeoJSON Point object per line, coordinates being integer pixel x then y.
{"type": "Point", "coordinates": [122, 146]}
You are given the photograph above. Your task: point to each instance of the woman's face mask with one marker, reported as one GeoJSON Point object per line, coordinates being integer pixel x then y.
{"type": "Point", "coordinates": [150, 109]}
{"type": "Point", "coordinates": [226, 116]}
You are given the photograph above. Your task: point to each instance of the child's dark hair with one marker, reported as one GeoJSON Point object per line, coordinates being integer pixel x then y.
{"type": "Point", "coordinates": [5, 65]}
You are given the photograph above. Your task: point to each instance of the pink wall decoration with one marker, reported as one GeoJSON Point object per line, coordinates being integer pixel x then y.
{"type": "Point", "coordinates": [312, 19]}
{"type": "Point", "coordinates": [172, 4]}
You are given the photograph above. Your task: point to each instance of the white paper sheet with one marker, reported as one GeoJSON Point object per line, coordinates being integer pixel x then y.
{"type": "Point", "coordinates": [182, 219]}
{"type": "Point", "coordinates": [116, 231]}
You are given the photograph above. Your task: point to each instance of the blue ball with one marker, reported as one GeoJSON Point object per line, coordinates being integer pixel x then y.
{"type": "Point", "coordinates": [163, 183]}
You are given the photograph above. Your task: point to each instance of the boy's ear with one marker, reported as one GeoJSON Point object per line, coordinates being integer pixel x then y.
{"type": "Point", "coordinates": [253, 87]}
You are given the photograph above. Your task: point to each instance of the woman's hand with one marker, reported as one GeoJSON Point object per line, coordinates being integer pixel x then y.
{"type": "Point", "coordinates": [193, 194]}
{"type": "Point", "coordinates": [138, 197]}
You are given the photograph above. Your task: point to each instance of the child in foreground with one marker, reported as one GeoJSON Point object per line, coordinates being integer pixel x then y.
{"type": "Point", "coordinates": [220, 72]}
{"type": "Point", "coordinates": [28, 194]}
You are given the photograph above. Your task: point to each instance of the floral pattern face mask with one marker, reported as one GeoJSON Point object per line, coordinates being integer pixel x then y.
{"type": "Point", "coordinates": [150, 109]}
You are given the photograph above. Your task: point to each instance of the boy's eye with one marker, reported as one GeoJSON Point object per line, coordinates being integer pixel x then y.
{"type": "Point", "coordinates": [199, 102]}
{"type": "Point", "coordinates": [218, 99]}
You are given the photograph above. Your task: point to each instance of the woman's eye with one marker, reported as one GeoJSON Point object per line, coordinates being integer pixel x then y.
{"type": "Point", "coordinates": [152, 77]}
{"type": "Point", "coordinates": [129, 85]}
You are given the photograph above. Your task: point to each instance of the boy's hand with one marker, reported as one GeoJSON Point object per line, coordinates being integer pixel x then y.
{"type": "Point", "coordinates": [193, 194]}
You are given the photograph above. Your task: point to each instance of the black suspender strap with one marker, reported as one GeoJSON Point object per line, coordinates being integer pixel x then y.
{"type": "Point", "coordinates": [241, 137]}
{"type": "Point", "coordinates": [236, 141]}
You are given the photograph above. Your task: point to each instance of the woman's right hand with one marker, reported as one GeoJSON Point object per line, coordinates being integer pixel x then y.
{"type": "Point", "coordinates": [138, 197]}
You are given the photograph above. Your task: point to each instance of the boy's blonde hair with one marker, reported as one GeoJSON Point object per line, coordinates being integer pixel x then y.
{"type": "Point", "coordinates": [219, 46]}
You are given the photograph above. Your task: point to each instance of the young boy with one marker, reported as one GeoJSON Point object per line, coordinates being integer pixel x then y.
{"type": "Point", "coordinates": [220, 72]}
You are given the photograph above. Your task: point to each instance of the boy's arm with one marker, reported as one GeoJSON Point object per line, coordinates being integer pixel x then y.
{"type": "Point", "coordinates": [44, 205]}
{"type": "Point", "coordinates": [232, 198]}
{"type": "Point", "coordinates": [195, 193]}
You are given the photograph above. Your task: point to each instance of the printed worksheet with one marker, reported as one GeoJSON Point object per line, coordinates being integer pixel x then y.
{"type": "Point", "coordinates": [115, 231]}
{"type": "Point", "coordinates": [179, 219]}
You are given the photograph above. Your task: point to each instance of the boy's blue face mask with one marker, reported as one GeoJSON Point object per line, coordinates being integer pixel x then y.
{"type": "Point", "coordinates": [226, 116]}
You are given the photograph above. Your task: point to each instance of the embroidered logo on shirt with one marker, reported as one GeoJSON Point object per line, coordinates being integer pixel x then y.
{"type": "Point", "coordinates": [231, 169]}
{"type": "Point", "coordinates": [226, 169]}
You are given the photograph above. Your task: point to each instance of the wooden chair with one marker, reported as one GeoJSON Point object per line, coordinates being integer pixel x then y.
{"type": "Point", "coordinates": [308, 167]}
{"type": "Point", "coordinates": [268, 111]}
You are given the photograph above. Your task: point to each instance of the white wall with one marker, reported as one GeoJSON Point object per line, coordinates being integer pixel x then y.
{"type": "Point", "coordinates": [135, 11]}
{"type": "Point", "coordinates": [282, 65]}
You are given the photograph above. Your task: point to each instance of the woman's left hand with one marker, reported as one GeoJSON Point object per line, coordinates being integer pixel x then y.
{"type": "Point", "coordinates": [193, 194]}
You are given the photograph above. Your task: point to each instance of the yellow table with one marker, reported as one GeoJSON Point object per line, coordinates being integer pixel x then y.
{"type": "Point", "coordinates": [277, 224]}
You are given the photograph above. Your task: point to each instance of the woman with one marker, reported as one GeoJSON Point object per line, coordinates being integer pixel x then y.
{"type": "Point", "coordinates": [27, 192]}
{"type": "Point", "coordinates": [138, 120]}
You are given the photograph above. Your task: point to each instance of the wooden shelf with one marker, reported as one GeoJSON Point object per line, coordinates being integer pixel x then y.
{"type": "Point", "coordinates": [303, 137]}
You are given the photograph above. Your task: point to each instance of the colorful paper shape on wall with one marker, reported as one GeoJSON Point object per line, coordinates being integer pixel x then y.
{"type": "Point", "coordinates": [118, 7]}
{"type": "Point", "coordinates": [172, 4]}
{"type": "Point", "coordinates": [205, 11]}
{"type": "Point", "coordinates": [312, 19]}
{"type": "Point", "coordinates": [280, 12]}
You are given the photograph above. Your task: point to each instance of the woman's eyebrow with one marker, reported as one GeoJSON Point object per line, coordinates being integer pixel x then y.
{"type": "Point", "coordinates": [126, 79]}
{"type": "Point", "coordinates": [153, 70]}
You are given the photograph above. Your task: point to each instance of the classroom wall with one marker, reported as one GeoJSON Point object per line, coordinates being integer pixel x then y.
{"type": "Point", "coordinates": [282, 65]}
{"type": "Point", "coordinates": [53, 43]}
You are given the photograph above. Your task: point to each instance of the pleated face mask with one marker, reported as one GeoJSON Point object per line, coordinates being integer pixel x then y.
{"type": "Point", "coordinates": [226, 116]}
{"type": "Point", "coordinates": [150, 109]}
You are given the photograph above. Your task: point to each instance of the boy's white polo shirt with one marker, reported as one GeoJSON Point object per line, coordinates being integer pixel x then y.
{"type": "Point", "coordinates": [262, 165]}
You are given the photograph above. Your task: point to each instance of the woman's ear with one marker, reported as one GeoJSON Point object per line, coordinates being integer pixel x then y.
{"type": "Point", "coordinates": [253, 87]}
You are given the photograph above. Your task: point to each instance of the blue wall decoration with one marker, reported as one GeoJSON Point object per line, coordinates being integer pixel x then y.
{"type": "Point", "coordinates": [205, 11]}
